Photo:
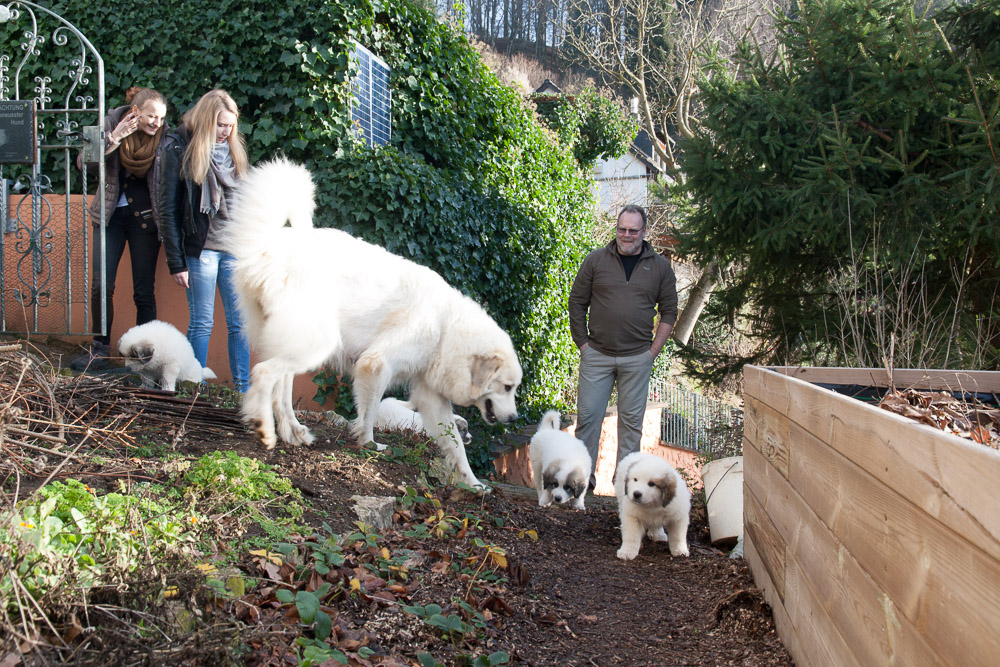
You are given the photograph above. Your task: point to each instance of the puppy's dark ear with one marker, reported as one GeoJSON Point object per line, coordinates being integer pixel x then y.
{"type": "Point", "coordinates": [628, 475]}
{"type": "Point", "coordinates": [484, 367]}
{"type": "Point", "coordinates": [577, 484]}
{"type": "Point", "coordinates": [549, 480]}
{"type": "Point", "coordinates": [668, 488]}
{"type": "Point", "coordinates": [142, 352]}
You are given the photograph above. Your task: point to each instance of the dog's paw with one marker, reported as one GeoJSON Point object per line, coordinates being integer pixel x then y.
{"type": "Point", "coordinates": [301, 435]}
{"type": "Point", "coordinates": [658, 535]}
{"type": "Point", "coordinates": [627, 554]}
{"type": "Point", "coordinates": [266, 438]}
{"type": "Point", "coordinates": [379, 447]}
{"type": "Point", "coordinates": [683, 551]}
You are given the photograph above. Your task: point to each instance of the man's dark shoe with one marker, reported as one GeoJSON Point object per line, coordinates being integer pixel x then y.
{"type": "Point", "coordinates": [97, 358]}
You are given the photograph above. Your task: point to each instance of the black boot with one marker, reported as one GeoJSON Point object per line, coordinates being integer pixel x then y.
{"type": "Point", "coordinates": [97, 358]}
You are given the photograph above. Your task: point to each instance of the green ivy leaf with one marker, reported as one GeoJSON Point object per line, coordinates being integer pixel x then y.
{"type": "Point", "coordinates": [308, 605]}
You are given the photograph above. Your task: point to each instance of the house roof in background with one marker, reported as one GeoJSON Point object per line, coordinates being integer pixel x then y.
{"type": "Point", "coordinates": [548, 87]}
{"type": "Point", "coordinates": [642, 147]}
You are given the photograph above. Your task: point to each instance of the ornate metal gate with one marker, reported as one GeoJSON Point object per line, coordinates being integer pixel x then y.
{"type": "Point", "coordinates": [50, 113]}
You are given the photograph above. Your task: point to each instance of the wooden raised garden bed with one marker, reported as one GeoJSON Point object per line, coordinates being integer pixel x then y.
{"type": "Point", "coordinates": [876, 538]}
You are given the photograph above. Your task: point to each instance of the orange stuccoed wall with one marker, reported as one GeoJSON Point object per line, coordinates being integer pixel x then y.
{"type": "Point", "coordinates": [171, 302]}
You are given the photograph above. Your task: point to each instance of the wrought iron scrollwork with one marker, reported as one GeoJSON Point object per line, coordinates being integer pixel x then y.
{"type": "Point", "coordinates": [33, 241]}
{"type": "Point", "coordinates": [34, 237]}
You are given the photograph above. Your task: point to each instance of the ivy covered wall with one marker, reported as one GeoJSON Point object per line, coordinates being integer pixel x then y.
{"type": "Point", "coordinates": [471, 186]}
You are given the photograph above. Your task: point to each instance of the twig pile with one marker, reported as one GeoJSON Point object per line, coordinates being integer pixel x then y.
{"type": "Point", "coordinates": [966, 418]}
{"type": "Point", "coordinates": [45, 415]}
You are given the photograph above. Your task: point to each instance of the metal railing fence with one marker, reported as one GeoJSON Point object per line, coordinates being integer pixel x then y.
{"type": "Point", "coordinates": [710, 427]}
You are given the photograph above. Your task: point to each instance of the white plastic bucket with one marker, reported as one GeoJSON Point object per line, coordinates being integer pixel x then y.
{"type": "Point", "coordinates": [723, 479]}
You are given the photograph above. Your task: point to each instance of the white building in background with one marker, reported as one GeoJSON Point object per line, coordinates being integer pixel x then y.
{"type": "Point", "coordinates": [625, 180]}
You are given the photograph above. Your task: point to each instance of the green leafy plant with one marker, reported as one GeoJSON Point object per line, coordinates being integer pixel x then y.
{"type": "Point", "coordinates": [236, 478]}
{"type": "Point", "coordinates": [76, 534]}
{"type": "Point", "coordinates": [451, 626]}
{"type": "Point", "coordinates": [491, 660]}
{"type": "Point", "coordinates": [245, 490]}
{"type": "Point", "coordinates": [592, 124]}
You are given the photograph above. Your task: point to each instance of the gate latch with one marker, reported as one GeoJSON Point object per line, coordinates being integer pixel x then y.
{"type": "Point", "coordinates": [92, 144]}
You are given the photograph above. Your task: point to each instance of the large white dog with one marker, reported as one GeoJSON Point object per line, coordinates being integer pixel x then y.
{"type": "Point", "coordinates": [651, 496]}
{"type": "Point", "coordinates": [161, 355]}
{"type": "Point", "coordinates": [560, 464]}
{"type": "Point", "coordinates": [320, 296]}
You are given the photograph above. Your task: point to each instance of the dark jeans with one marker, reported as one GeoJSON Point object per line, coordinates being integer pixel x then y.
{"type": "Point", "coordinates": [144, 249]}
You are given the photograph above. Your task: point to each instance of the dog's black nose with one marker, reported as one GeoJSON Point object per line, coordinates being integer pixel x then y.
{"type": "Point", "coordinates": [637, 495]}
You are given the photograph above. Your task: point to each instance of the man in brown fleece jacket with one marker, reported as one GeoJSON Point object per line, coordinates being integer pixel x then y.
{"type": "Point", "coordinates": [621, 287]}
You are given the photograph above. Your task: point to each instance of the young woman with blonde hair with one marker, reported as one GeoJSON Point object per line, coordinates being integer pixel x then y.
{"type": "Point", "coordinates": [203, 161]}
{"type": "Point", "coordinates": [133, 148]}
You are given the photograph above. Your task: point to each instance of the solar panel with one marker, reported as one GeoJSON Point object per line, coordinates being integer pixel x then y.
{"type": "Point", "coordinates": [372, 105]}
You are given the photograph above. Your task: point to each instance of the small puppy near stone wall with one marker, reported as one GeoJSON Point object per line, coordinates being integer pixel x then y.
{"type": "Point", "coordinates": [651, 496]}
{"type": "Point", "coordinates": [161, 355]}
{"type": "Point", "coordinates": [396, 415]}
{"type": "Point", "coordinates": [560, 464]}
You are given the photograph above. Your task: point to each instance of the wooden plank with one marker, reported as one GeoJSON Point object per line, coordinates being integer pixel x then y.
{"type": "Point", "coordinates": [750, 419]}
{"type": "Point", "coordinates": [857, 607]}
{"type": "Point", "coordinates": [820, 636]}
{"type": "Point", "coordinates": [944, 586]}
{"type": "Point", "coordinates": [942, 474]}
{"type": "Point", "coordinates": [770, 544]}
{"type": "Point", "coordinates": [771, 490]}
{"type": "Point", "coordinates": [782, 622]}
{"type": "Point", "coordinates": [937, 379]}
{"type": "Point", "coordinates": [807, 633]}
{"type": "Point", "coordinates": [771, 433]}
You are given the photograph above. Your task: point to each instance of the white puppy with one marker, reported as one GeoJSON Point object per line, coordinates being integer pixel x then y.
{"type": "Point", "coordinates": [560, 464]}
{"type": "Point", "coordinates": [396, 415]}
{"type": "Point", "coordinates": [161, 355]}
{"type": "Point", "coordinates": [315, 297]}
{"type": "Point", "coordinates": [651, 496]}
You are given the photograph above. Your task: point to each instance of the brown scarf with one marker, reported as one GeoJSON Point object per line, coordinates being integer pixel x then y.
{"type": "Point", "coordinates": [138, 151]}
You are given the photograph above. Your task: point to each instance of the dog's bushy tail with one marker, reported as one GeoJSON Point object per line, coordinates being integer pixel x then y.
{"type": "Point", "coordinates": [550, 420]}
{"type": "Point", "coordinates": [268, 197]}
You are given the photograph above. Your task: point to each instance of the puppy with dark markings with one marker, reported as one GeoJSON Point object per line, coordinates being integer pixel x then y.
{"type": "Point", "coordinates": [560, 464]}
{"type": "Point", "coordinates": [652, 496]}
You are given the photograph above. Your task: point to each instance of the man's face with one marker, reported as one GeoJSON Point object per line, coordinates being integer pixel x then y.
{"type": "Point", "coordinates": [630, 233]}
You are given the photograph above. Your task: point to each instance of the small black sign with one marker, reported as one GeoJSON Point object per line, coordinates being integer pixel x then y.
{"type": "Point", "coordinates": [17, 131]}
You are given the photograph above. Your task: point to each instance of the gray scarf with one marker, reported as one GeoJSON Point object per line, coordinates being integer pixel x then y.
{"type": "Point", "coordinates": [220, 177]}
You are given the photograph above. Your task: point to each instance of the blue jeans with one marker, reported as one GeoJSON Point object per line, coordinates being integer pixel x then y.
{"type": "Point", "coordinates": [204, 273]}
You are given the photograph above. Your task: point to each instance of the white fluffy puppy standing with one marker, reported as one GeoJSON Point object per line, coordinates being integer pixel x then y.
{"type": "Point", "coordinates": [320, 296]}
{"type": "Point", "coordinates": [651, 496]}
{"type": "Point", "coordinates": [161, 355]}
{"type": "Point", "coordinates": [560, 464]}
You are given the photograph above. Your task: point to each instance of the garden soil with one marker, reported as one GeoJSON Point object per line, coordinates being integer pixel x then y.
{"type": "Point", "coordinates": [552, 593]}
